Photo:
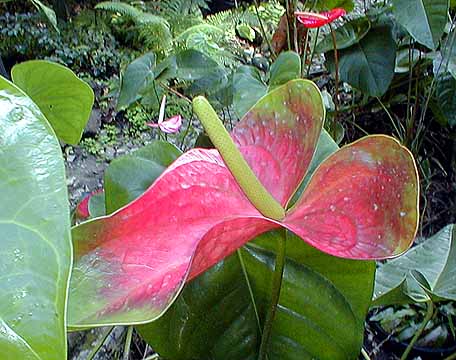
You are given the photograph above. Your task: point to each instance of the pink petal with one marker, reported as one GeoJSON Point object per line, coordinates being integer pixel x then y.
{"type": "Point", "coordinates": [129, 266]}
{"type": "Point", "coordinates": [279, 135]}
{"type": "Point", "coordinates": [362, 202]}
{"type": "Point", "coordinates": [172, 125]}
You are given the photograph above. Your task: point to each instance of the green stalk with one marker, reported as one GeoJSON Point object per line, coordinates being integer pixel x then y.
{"type": "Point", "coordinates": [100, 343]}
{"type": "Point", "coordinates": [126, 352]}
{"type": "Point", "coordinates": [336, 65]}
{"type": "Point", "coordinates": [245, 177]}
{"type": "Point", "coordinates": [277, 277]}
{"type": "Point", "coordinates": [429, 313]}
{"type": "Point", "coordinates": [263, 31]}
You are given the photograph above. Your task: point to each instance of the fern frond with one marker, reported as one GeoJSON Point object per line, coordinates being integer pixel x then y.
{"type": "Point", "coordinates": [119, 7]}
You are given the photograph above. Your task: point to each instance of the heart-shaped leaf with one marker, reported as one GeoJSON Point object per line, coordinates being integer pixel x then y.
{"type": "Point", "coordinates": [347, 35]}
{"type": "Point", "coordinates": [434, 259]}
{"type": "Point", "coordinates": [248, 88]}
{"type": "Point", "coordinates": [138, 75]}
{"type": "Point", "coordinates": [445, 98]}
{"type": "Point", "coordinates": [369, 64]}
{"type": "Point", "coordinates": [323, 300]}
{"type": "Point", "coordinates": [34, 232]}
{"type": "Point", "coordinates": [286, 67]}
{"type": "Point", "coordinates": [425, 20]}
{"type": "Point", "coordinates": [214, 318]}
{"type": "Point", "coordinates": [63, 98]}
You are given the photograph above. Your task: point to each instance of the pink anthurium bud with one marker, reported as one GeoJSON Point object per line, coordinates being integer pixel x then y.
{"type": "Point", "coordinates": [313, 20]}
{"type": "Point", "coordinates": [169, 126]}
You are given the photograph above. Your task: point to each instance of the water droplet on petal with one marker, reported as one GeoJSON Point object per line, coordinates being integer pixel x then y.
{"type": "Point", "coordinates": [375, 207]}
{"type": "Point", "coordinates": [402, 213]}
{"type": "Point", "coordinates": [332, 208]}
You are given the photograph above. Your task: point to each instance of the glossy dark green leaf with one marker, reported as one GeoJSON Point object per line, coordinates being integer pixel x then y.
{"type": "Point", "coordinates": [206, 75]}
{"type": "Point", "coordinates": [48, 12]}
{"type": "Point", "coordinates": [431, 264]}
{"type": "Point", "coordinates": [323, 300]}
{"type": "Point", "coordinates": [248, 88]}
{"type": "Point", "coordinates": [64, 99]}
{"type": "Point", "coordinates": [347, 35]}
{"type": "Point", "coordinates": [425, 20]}
{"type": "Point", "coordinates": [138, 75]}
{"type": "Point", "coordinates": [286, 67]}
{"type": "Point", "coordinates": [212, 319]}
{"type": "Point", "coordinates": [129, 176]}
{"type": "Point", "coordinates": [35, 240]}
{"type": "Point", "coordinates": [369, 64]}
{"type": "Point", "coordinates": [445, 98]}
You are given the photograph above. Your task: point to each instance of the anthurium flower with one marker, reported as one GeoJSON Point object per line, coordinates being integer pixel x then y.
{"type": "Point", "coordinates": [314, 20]}
{"type": "Point", "coordinates": [169, 126]}
{"type": "Point", "coordinates": [360, 203]}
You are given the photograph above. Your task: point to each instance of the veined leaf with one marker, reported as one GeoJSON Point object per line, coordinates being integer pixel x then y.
{"type": "Point", "coordinates": [34, 232]}
{"type": "Point", "coordinates": [434, 259]}
{"type": "Point", "coordinates": [64, 99]}
{"type": "Point", "coordinates": [425, 20]}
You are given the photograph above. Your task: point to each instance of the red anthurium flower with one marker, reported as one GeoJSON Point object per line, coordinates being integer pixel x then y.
{"type": "Point", "coordinates": [169, 126]}
{"type": "Point", "coordinates": [360, 203]}
{"type": "Point", "coordinates": [314, 20]}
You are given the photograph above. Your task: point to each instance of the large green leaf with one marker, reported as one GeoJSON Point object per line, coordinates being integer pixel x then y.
{"type": "Point", "coordinates": [286, 67]}
{"type": "Point", "coordinates": [445, 98]}
{"type": "Point", "coordinates": [347, 35]}
{"type": "Point", "coordinates": [129, 176]}
{"type": "Point", "coordinates": [369, 64]}
{"type": "Point", "coordinates": [138, 75]}
{"type": "Point", "coordinates": [34, 232]}
{"type": "Point", "coordinates": [64, 99]}
{"type": "Point", "coordinates": [206, 75]}
{"type": "Point", "coordinates": [434, 259]}
{"type": "Point", "coordinates": [425, 20]}
{"type": "Point", "coordinates": [323, 300]}
{"type": "Point", "coordinates": [212, 319]}
{"type": "Point", "coordinates": [248, 88]}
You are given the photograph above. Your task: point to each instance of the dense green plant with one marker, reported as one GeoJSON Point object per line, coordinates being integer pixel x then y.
{"type": "Point", "coordinates": [85, 48]}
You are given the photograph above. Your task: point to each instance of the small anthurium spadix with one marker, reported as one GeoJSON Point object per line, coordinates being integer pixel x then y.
{"type": "Point", "coordinates": [361, 203]}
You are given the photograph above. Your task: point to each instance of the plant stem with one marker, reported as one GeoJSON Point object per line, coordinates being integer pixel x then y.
{"type": "Point", "coordinates": [100, 343]}
{"type": "Point", "coordinates": [313, 52]}
{"type": "Point", "coordinates": [263, 31]}
{"type": "Point", "coordinates": [365, 354]}
{"type": "Point", "coordinates": [277, 277]}
{"type": "Point", "coordinates": [429, 313]}
{"type": "Point", "coordinates": [336, 66]}
{"type": "Point", "coordinates": [126, 352]}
